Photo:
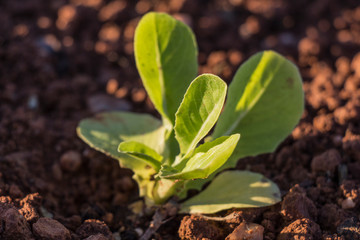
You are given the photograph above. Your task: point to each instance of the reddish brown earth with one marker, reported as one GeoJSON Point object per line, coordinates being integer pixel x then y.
{"type": "Point", "coordinates": [61, 61]}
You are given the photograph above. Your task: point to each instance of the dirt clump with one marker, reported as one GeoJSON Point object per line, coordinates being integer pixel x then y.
{"type": "Point", "coordinates": [93, 227]}
{"type": "Point", "coordinates": [296, 205]}
{"type": "Point", "coordinates": [326, 162]}
{"type": "Point", "coordinates": [47, 228]}
{"type": "Point", "coordinates": [250, 231]}
{"type": "Point", "coordinates": [301, 229]}
{"type": "Point", "coordinates": [196, 228]}
{"type": "Point", "coordinates": [13, 224]}
{"type": "Point", "coordinates": [70, 161]}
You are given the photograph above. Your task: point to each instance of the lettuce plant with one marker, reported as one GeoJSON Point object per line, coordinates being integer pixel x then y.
{"type": "Point", "coordinates": [168, 157]}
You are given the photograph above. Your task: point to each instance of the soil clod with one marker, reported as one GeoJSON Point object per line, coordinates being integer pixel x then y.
{"type": "Point", "coordinates": [50, 229]}
{"type": "Point", "coordinates": [250, 231]}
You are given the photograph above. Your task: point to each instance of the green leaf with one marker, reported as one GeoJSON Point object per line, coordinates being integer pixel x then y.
{"type": "Point", "coordinates": [143, 152]}
{"type": "Point", "coordinates": [137, 148]}
{"type": "Point", "coordinates": [166, 58]}
{"type": "Point", "coordinates": [105, 131]}
{"type": "Point", "coordinates": [199, 111]}
{"type": "Point", "coordinates": [234, 189]}
{"type": "Point", "coordinates": [264, 104]}
{"type": "Point", "coordinates": [206, 159]}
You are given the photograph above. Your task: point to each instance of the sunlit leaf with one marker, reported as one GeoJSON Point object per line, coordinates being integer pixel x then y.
{"type": "Point", "coordinates": [206, 159]}
{"type": "Point", "coordinates": [234, 189]}
{"type": "Point", "coordinates": [141, 151]}
{"type": "Point", "coordinates": [105, 131]}
{"type": "Point", "coordinates": [199, 111]}
{"type": "Point", "coordinates": [166, 58]}
{"type": "Point", "coordinates": [264, 103]}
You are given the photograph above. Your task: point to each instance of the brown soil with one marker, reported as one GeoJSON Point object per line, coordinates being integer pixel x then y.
{"type": "Point", "coordinates": [63, 60]}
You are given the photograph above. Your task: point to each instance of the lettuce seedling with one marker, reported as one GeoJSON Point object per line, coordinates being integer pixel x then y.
{"type": "Point", "coordinates": [168, 157]}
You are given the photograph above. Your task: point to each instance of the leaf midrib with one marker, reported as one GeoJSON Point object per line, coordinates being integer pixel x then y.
{"type": "Point", "coordinates": [195, 139]}
{"type": "Point", "coordinates": [160, 69]}
{"type": "Point", "coordinates": [253, 103]}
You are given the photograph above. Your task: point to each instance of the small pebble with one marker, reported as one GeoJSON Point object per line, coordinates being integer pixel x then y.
{"type": "Point", "coordinates": [108, 218]}
{"type": "Point", "coordinates": [250, 231]}
{"type": "Point", "coordinates": [47, 228]}
{"type": "Point", "coordinates": [138, 95]}
{"type": "Point", "coordinates": [348, 204]}
{"type": "Point", "coordinates": [70, 161]}
{"type": "Point", "coordinates": [33, 102]}
{"type": "Point", "coordinates": [45, 212]}
{"type": "Point", "coordinates": [121, 92]}
{"type": "Point", "coordinates": [116, 236]}
{"type": "Point", "coordinates": [111, 86]}
{"type": "Point", "coordinates": [139, 231]}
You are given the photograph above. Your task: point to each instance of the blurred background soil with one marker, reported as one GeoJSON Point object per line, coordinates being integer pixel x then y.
{"type": "Point", "coordinates": [64, 60]}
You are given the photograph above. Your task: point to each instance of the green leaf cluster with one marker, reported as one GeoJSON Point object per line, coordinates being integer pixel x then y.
{"type": "Point", "coordinates": [168, 157]}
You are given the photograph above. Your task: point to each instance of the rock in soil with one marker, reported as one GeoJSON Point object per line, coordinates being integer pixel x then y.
{"type": "Point", "coordinates": [248, 231]}
{"type": "Point", "coordinates": [301, 229]}
{"type": "Point", "coordinates": [326, 162]}
{"type": "Point", "coordinates": [13, 225]}
{"type": "Point", "coordinates": [93, 227]}
{"type": "Point", "coordinates": [296, 206]}
{"type": "Point", "coordinates": [50, 229]}
{"type": "Point", "coordinates": [348, 203]}
{"type": "Point", "coordinates": [196, 228]}
{"type": "Point", "coordinates": [70, 161]}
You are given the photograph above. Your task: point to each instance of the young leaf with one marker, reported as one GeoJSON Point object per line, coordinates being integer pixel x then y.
{"type": "Point", "coordinates": [206, 159]}
{"type": "Point", "coordinates": [137, 148]}
{"type": "Point", "coordinates": [234, 189]}
{"type": "Point", "coordinates": [166, 58]}
{"type": "Point", "coordinates": [199, 111]}
{"type": "Point", "coordinates": [264, 104]}
{"type": "Point", "coordinates": [105, 131]}
{"type": "Point", "coordinates": [143, 152]}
